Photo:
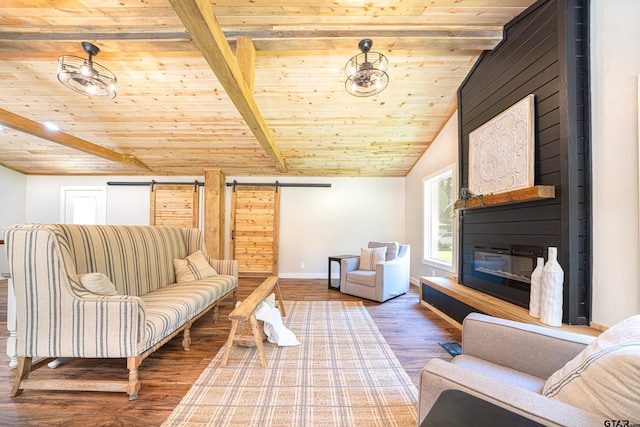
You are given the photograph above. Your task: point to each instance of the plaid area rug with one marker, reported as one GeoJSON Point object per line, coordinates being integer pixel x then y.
{"type": "Point", "coordinates": [343, 374]}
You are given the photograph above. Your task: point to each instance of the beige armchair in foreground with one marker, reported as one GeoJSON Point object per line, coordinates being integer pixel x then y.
{"type": "Point", "coordinates": [547, 375]}
{"type": "Point", "coordinates": [381, 272]}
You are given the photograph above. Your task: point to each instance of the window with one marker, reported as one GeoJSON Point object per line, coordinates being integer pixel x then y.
{"type": "Point", "coordinates": [439, 229]}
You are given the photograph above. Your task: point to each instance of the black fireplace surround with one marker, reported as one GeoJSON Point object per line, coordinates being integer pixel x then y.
{"type": "Point", "coordinates": [545, 52]}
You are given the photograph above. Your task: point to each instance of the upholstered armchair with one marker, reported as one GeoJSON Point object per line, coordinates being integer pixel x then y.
{"type": "Point", "coordinates": [545, 374]}
{"type": "Point", "coordinates": [381, 272]}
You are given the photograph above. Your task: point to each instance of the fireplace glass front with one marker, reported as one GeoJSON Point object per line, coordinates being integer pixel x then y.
{"type": "Point", "coordinates": [504, 271]}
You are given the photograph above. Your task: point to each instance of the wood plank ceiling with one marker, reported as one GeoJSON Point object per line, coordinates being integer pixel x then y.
{"type": "Point", "coordinates": [181, 107]}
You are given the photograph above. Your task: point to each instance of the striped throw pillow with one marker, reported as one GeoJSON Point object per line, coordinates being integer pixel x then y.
{"type": "Point", "coordinates": [604, 378]}
{"type": "Point", "coordinates": [193, 267]}
{"type": "Point", "coordinates": [369, 257]}
{"type": "Point", "coordinates": [98, 283]}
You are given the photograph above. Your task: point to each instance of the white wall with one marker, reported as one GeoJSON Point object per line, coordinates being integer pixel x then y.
{"type": "Point", "coordinates": [13, 187]}
{"type": "Point", "coordinates": [315, 223]}
{"type": "Point", "coordinates": [615, 66]}
{"type": "Point", "coordinates": [442, 152]}
{"type": "Point", "coordinates": [125, 205]}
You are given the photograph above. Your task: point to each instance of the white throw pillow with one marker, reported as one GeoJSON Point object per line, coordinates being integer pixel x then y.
{"type": "Point", "coordinates": [98, 283]}
{"type": "Point", "coordinates": [193, 267]}
{"type": "Point", "coordinates": [604, 378]}
{"type": "Point", "coordinates": [369, 257]}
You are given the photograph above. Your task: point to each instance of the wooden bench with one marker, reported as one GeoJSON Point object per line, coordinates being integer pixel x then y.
{"type": "Point", "coordinates": [246, 312]}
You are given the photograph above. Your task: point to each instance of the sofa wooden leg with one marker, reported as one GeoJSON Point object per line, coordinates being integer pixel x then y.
{"type": "Point", "coordinates": [216, 313]}
{"type": "Point", "coordinates": [22, 373]}
{"type": "Point", "coordinates": [186, 337]}
{"type": "Point", "coordinates": [134, 383]}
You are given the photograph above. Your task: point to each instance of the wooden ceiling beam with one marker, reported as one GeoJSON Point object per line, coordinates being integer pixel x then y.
{"type": "Point", "coordinates": [201, 23]}
{"type": "Point", "coordinates": [34, 128]}
{"type": "Point", "coordinates": [246, 57]}
{"type": "Point", "coordinates": [65, 34]}
{"type": "Point", "coordinates": [260, 32]}
{"type": "Point", "coordinates": [283, 38]}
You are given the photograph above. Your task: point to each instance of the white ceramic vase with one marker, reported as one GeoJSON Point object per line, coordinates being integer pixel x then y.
{"type": "Point", "coordinates": [551, 296]}
{"type": "Point", "coordinates": [536, 289]}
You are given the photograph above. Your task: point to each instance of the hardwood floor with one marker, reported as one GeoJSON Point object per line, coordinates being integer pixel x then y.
{"type": "Point", "coordinates": [412, 331]}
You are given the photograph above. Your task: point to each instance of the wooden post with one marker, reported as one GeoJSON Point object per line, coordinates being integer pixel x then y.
{"type": "Point", "coordinates": [214, 208]}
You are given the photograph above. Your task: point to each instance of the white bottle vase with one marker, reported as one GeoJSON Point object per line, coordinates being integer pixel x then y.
{"type": "Point", "coordinates": [536, 289]}
{"type": "Point", "coordinates": [551, 297]}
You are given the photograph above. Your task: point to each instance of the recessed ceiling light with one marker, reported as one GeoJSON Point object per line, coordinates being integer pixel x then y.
{"type": "Point", "coordinates": [51, 126]}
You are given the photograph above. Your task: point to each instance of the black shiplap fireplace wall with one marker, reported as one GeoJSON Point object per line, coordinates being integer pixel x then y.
{"type": "Point", "coordinates": [545, 53]}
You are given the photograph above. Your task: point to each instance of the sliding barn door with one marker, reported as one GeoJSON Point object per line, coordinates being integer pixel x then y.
{"type": "Point", "coordinates": [254, 229]}
{"type": "Point", "coordinates": [175, 205]}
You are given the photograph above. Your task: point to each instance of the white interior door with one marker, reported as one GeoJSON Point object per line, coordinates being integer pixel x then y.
{"type": "Point", "coordinates": [83, 205]}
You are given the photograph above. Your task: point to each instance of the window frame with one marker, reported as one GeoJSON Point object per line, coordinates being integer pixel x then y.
{"type": "Point", "coordinates": [427, 220]}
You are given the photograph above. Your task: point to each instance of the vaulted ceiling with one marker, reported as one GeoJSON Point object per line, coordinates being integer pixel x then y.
{"type": "Point", "coordinates": [250, 87]}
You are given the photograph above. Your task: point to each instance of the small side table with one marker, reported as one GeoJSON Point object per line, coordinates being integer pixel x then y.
{"type": "Point", "coordinates": [338, 259]}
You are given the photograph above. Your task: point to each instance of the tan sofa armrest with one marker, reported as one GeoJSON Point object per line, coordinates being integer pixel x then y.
{"type": "Point", "coordinates": [227, 267]}
{"type": "Point", "coordinates": [104, 330]}
{"type": "Point", "coordinates": [438, 375]}
{"type": "Point", "coordinates": [528, 348]}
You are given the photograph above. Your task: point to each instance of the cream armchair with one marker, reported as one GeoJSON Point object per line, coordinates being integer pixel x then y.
{"type": "Point", "coordinates": [548, 375]}
{"type": "Point", "coordinates": [384, 280]}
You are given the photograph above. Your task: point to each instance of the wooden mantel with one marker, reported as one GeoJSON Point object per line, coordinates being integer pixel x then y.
{"type": "Point", "coordinates": [537, 192]}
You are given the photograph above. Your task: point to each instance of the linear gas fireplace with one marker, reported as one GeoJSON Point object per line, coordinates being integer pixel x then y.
{"type": "Point", "coordinates": [503, 271]}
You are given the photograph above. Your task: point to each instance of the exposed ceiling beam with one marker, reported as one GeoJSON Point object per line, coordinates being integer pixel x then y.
{"type": "Point", "coordinates": [313, 38]}
{"type": "Point", "coordinates": [246, 57]}
{"type": "Point", "coordinates": [281, 38]}
{"type": "Point", "coordinates": [34, 128]}
{"type": "Point", "coordinates": [62, 34]}
{"type": "Point", "coordinates": [199, 20]}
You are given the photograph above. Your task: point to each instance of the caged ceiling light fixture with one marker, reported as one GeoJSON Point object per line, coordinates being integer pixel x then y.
{"type": "Point", "coordinates": [84, 76]}
{"type": "Point", "coordinates": [366, 73]}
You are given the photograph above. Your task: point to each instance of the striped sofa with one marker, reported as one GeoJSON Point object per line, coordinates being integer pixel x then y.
{"type": "Point", "coordinates": [59, 318]}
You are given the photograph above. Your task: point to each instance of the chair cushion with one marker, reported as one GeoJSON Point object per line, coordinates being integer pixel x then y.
{"type": "Point", "coordinates": [604, 378]}
{"type": "Point", "coordinates": [392, 249]}
{"type": "Point", "coordinates": [362, 277]}
{"type": "Point", "coordinates": [168, 308]}
{"type": "Point", "coordinates": [369, 257]}
{"type": "Point", "coordinates": [501, 373]}
{"type": "Point", "coordinates": [193, 267]}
